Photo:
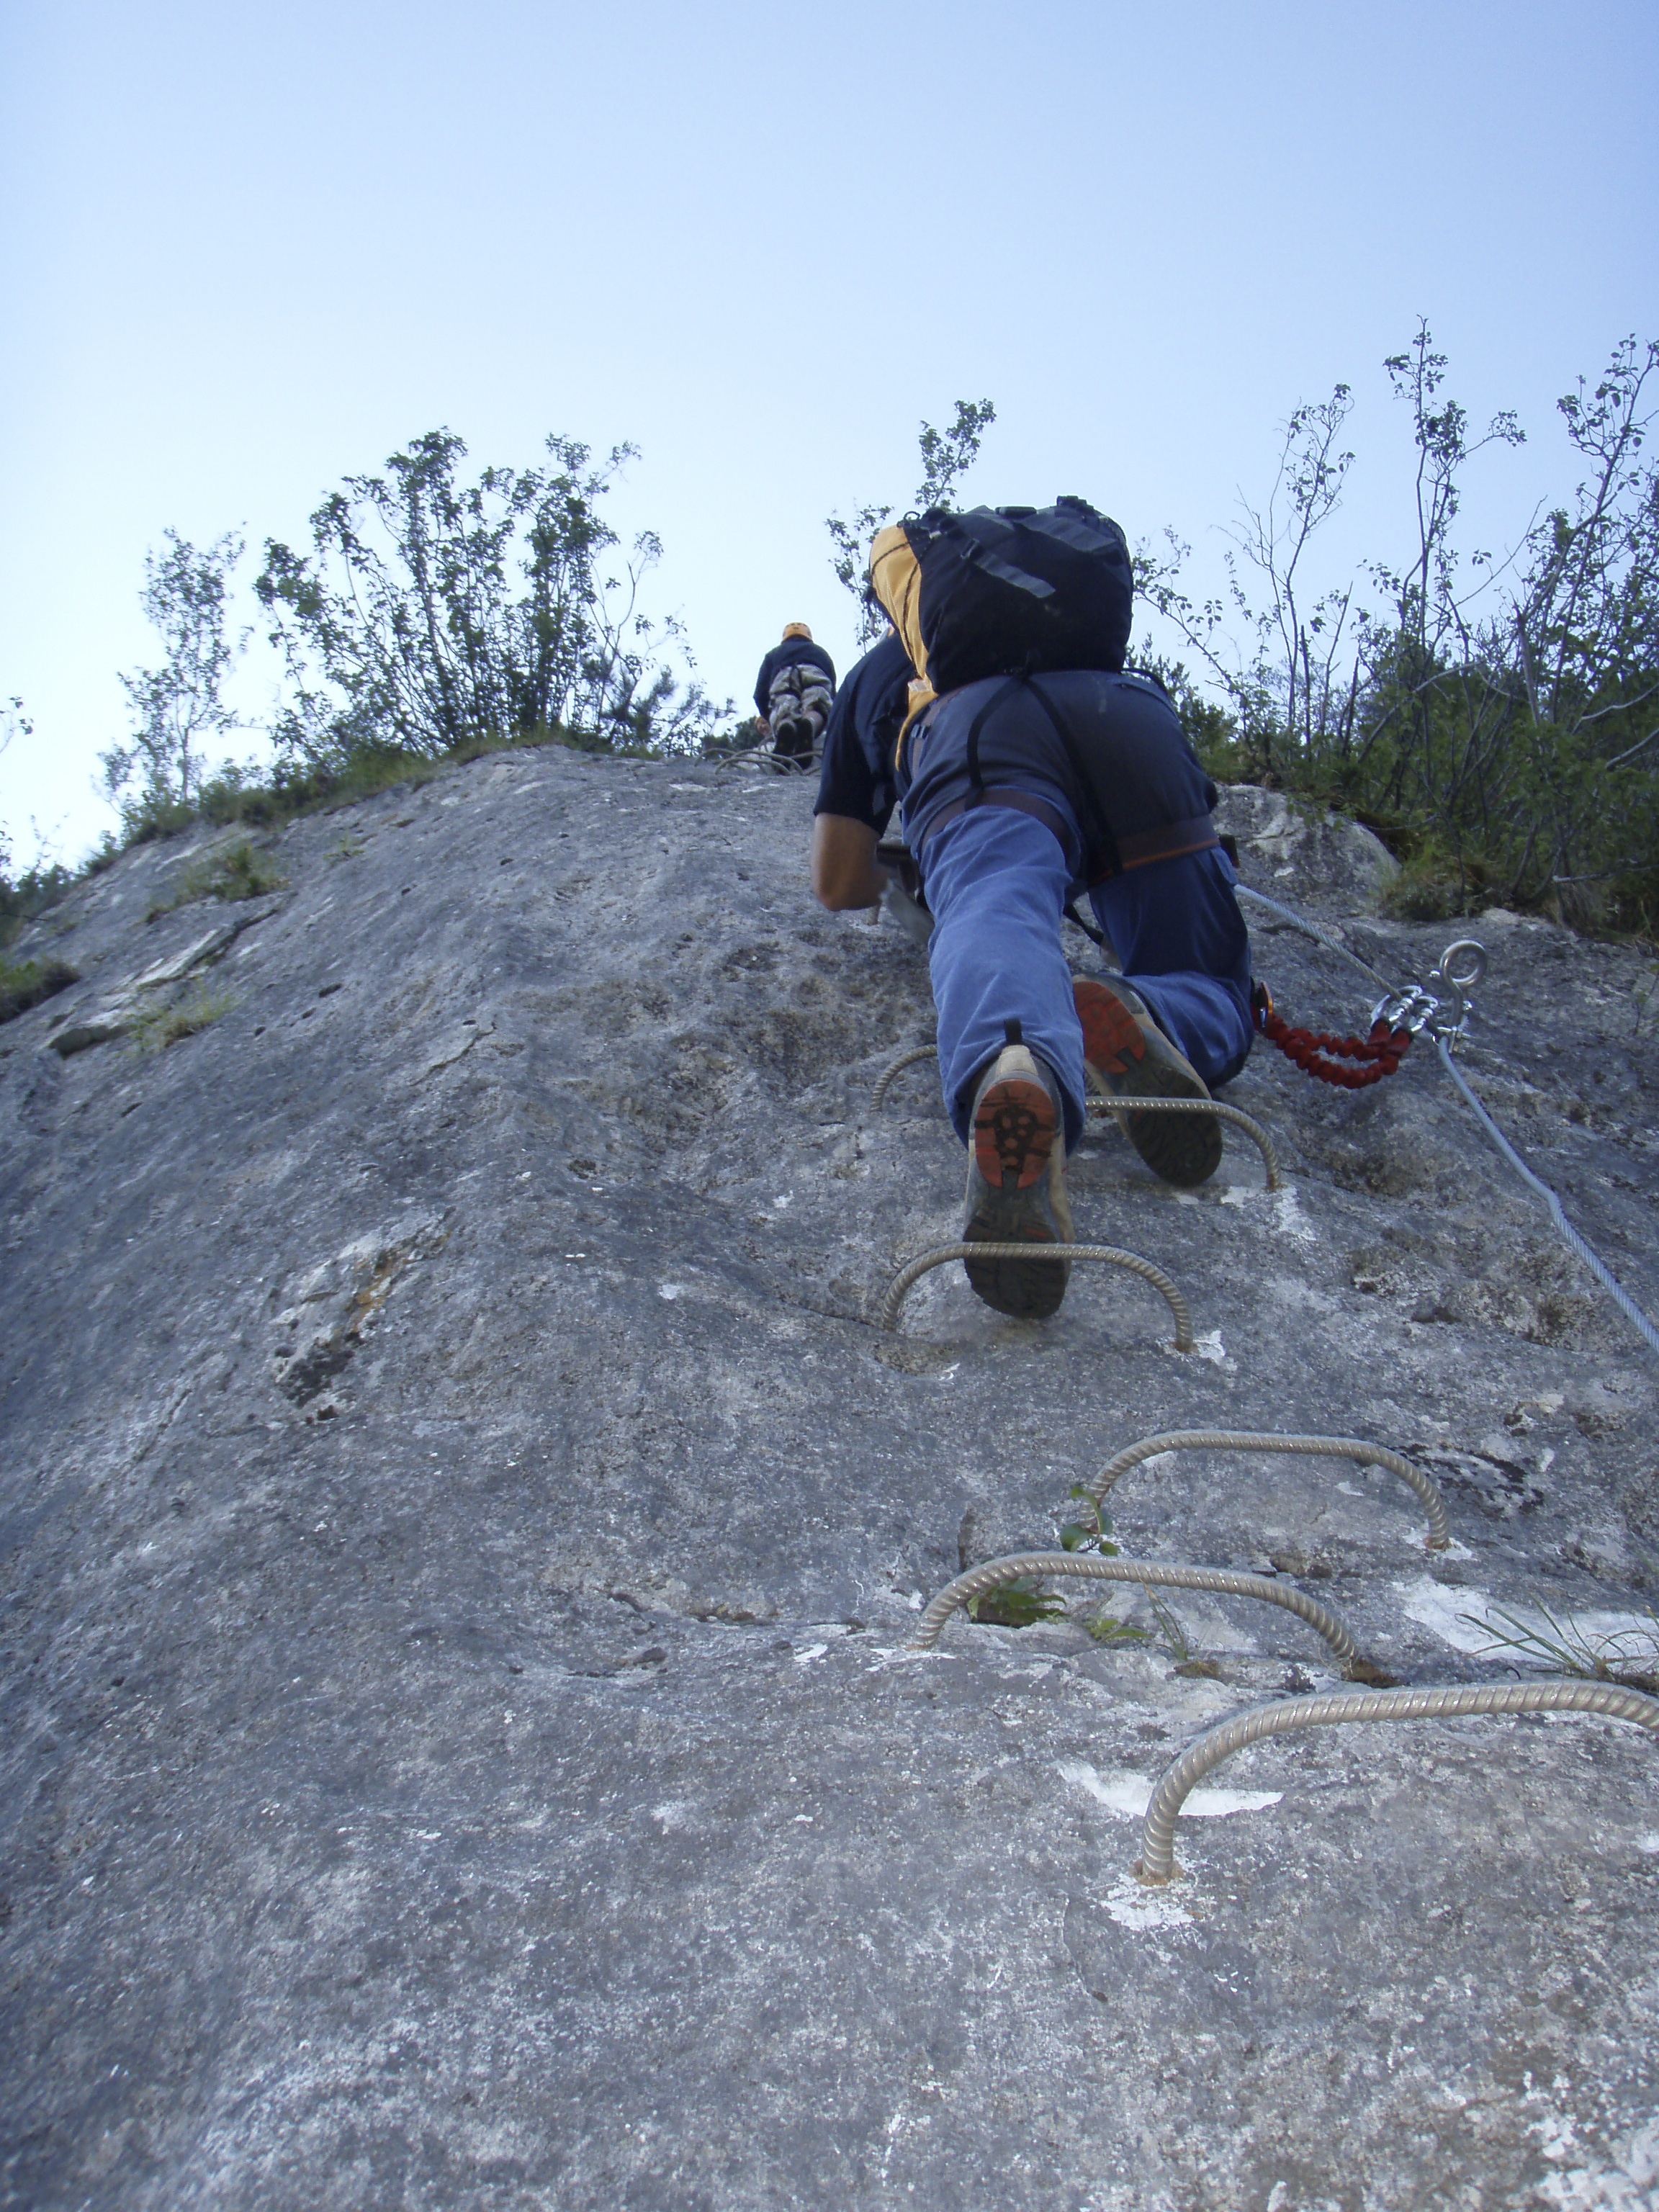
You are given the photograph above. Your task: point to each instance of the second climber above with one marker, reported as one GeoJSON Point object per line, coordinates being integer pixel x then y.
{"type": "Point", "coordinates": [1034, 767]}
{"type": "Point", "coordinates": [794, 694]}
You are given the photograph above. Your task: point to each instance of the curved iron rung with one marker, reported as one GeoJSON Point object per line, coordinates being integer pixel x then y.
{"type": "Point", "coordinates": [893, 1296]}
{"type": "Point", "coordinates": [884, 1083]}
{"type": "Point", "coordinates": [1156, 1864]}
{"type": "Point", "coordinates": [1350, 1447]}
{"type": "Point", "coordinates": [1116, 1108]}
{"type": "Point", "coordinates": [1090, 1567]}
{"type": "Point", "coordinates": [1101, 1109]}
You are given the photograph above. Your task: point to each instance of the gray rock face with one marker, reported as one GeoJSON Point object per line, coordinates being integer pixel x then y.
{"type": "Point", "coordinates": [1283, 842]}
{"type": "Point", "coordinates": [463, 1529]}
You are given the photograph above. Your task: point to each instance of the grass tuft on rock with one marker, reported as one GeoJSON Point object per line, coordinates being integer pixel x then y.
{"type": "Point", "coordinates": [242, 872]}
{"type": "Point", "coordinates": [26, 983]}
{"type": "Point", "coordinates": [159, 1026]}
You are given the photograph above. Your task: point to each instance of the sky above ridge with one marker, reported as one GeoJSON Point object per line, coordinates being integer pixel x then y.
{"type": "Point", "coordinates": [246, 252]}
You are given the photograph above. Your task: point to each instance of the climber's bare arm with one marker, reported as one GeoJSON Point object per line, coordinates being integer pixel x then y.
{"type": "Point", "coordinates": [845, 871]}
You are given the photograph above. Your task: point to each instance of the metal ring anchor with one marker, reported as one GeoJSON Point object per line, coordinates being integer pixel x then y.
{"type": "Point", "coordinates": [894, 1296]}
{"type": "Point", "coordinates": [1156, 1864]}
{"type": "Point", "coordinates": [1349, 1447]}
{"type": "Point", "coordinates": [1441, 1004]}
{"type": "Point", "coordinates": [1089, 1567]}
{"type": "Point", "coordinates": [1463, 963]}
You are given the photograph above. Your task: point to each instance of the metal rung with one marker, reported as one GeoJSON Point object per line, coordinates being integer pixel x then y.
{"type": "Point", "coordinates": [1101, 1108]}
{"type": "Point", "coordinates": [1090, 1567]}
{"type": "Point", "coordinates": [1156, 1864]}
{"type": "Point", "coordinates": [1349, 1447]}
{"type": "Point", "coordinates": [893, 1297]}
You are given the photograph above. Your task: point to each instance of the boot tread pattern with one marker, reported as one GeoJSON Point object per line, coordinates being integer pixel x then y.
{"type": "Point", "coordinates": [1014, 1129]}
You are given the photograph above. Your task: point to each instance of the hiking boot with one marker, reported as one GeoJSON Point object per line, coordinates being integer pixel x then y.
{"type": "Point", "coordinates": [1017, 1184]}
{"type": "Point", "coordinates": [787, 747]}
{"type": "Point", "coordinates": [1130, 1057]}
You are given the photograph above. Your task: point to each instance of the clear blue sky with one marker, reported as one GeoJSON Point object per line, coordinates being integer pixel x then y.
{"type": "Point", "coordinates": [248, 250]}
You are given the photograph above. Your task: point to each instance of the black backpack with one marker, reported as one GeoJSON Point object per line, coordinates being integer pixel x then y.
{"type": "Point", "coordinates": [1006, 590]}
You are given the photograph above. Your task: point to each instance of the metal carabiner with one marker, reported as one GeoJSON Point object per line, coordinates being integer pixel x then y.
{"type": "Point", "coordinates": [1407, 1008]}
{"type": "Point", "coordinates": [1442, 1004]}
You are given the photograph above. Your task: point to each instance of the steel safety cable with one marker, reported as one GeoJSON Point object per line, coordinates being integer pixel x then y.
{"type": "Point", "coordinates": [1592, 1260]}
{"type": "Point", "coordinates": [1574, 1238]}
{"type": "Point", "coordinates": [1325, 937]}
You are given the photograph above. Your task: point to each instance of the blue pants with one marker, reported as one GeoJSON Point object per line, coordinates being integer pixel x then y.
{"type": "Point", "coordinates": [996, 881]}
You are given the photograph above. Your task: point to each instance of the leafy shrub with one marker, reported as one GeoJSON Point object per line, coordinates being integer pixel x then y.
{"type": "Point", "coordinates": [176, 708]}
{"type": "Point", "coordinates": [29, 981]}
{"type": "Point", "coordinates": [1497, 722]}
{"type": "Point", "coordinates": [402, 626]}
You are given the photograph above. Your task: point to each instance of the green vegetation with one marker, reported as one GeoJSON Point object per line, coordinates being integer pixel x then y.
{"type": "Point", "coordinates": [1091, 1535]}
{"type": "Point", "coordinates": [27, 984]}
{"type": "Point", "coordinates": [158, 1027]}
{"type": "Point", "coordinates": [402, 626]}
{"type": "Point", "coordinates": [178, 709]}
{"type": "Point", "coordinates": [240, 872]}
{"type": "Point", "coordinates": [429, 620]}
{"type": "Point", "coordinates": [1496, 720]}
{"type": "Point", "coordinates": [946, 455]}
{"type": "Point", "coordinates": [1627, 1656]}
{"type": "Point", "coordinates": [1019, 1604]}
{"type": "Point", "coordinates": [22, 897]}
{"type": "Point", "coordinates": [1167, 1633]}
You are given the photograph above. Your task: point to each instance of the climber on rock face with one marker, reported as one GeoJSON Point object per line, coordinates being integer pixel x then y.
{"type": "Point", "coordinates": [858, 782]}
{"type": "Point", "coordinates": [1018, 792]}
{"type": "Point", "coordinates": [794, 694]}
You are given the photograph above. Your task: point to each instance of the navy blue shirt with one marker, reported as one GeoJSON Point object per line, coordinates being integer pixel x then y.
{"type": "Point", "coordinates": [793, 653]}
{"type": "Point", "coordinates": [1146, 790]}
{"type": "Point", "coordinates": [858, 779]}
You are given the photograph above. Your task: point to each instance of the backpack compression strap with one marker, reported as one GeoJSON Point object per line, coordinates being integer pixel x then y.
{"type": "Point", "coordinates": [1105, 840]}
{"type": "Point", "coordinates": [975, 781]}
